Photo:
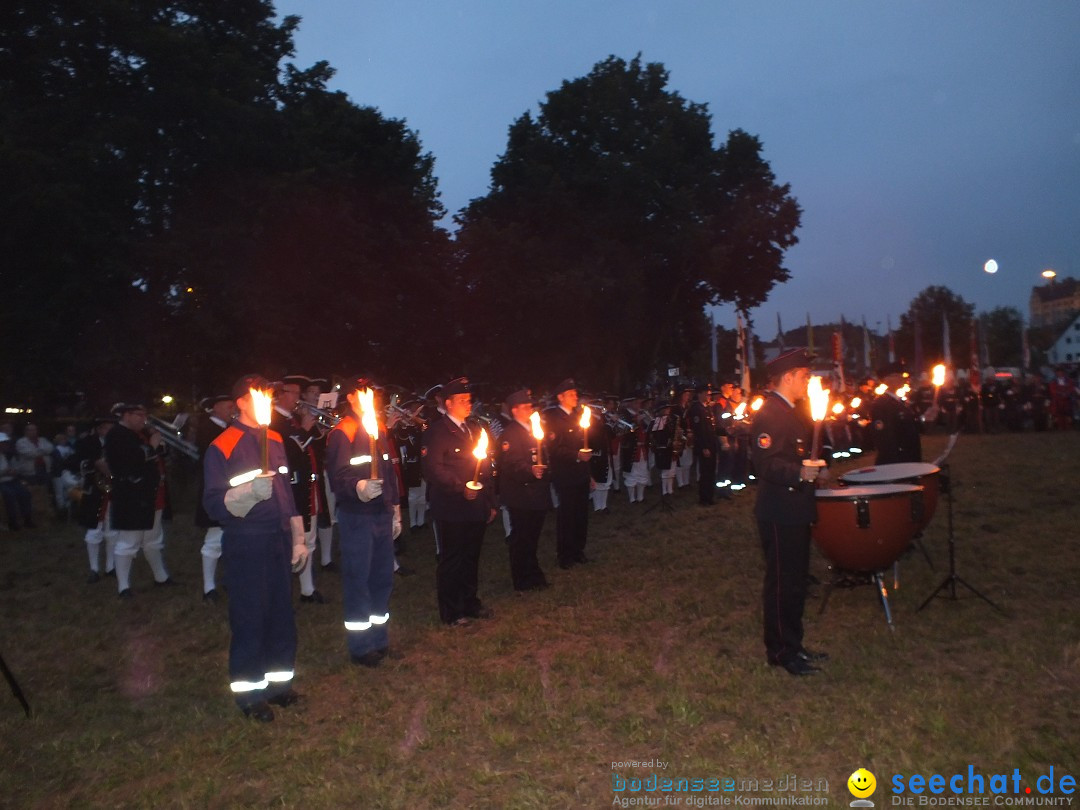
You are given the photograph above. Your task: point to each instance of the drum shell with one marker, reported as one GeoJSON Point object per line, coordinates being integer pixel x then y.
{"type": "Point", "coordinates": [892, 512]}
{"type": "Point", "coordinates": [927, 476]}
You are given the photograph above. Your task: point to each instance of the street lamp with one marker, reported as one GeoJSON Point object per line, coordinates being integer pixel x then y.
{"type": "Point", "coordinates": [1049, 275]}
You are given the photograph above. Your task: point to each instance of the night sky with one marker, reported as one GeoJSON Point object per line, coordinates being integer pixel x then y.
{"type": "Point", "coordinates": [921, 138]}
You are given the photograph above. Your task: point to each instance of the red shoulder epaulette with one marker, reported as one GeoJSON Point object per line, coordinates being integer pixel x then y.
{"type": "Point", "coordinates": [274, 436]}
{"type": "Point", "coordinates": [227, 440]}
{"type": "Point", "coordinates": [348, 426]}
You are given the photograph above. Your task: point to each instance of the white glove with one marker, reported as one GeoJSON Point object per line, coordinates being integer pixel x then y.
{"type": "Point", "coordinates": [368, 489]}
{"type": "Point", "coordinates": [240, 500]}
{"type": "Point", "coordinates": [396, 530]}
{"type": "Point", "coordinates": [299, 544]}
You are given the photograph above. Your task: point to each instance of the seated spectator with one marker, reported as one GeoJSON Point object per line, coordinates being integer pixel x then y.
{"type": "Point", "coordinates": [65, 470]}
{"type": "Point", "coordinates": [12, 489]}
{"type": "Point", "coordinates": [33, 456]}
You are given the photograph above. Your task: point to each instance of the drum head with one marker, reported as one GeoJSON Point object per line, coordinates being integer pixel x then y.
{"type": "Point", "coordinates": [884, 473]}
{"type": "Point", "coordinates": [867, 492]}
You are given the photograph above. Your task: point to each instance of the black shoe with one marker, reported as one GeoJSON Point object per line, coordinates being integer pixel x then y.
{"type": "Point", "coordinates": [797, 666]}
{"type": "Point", "coordinates": [461, 621]}
{"type": "Point", "coordinates": [403, 571]}
{"type": "Point", "coordinates": [813, 656]}
{"type": "Point", "coordinates": [94, 577]}
{"type": "Point", "coordinates": [536, 586]}
{"type": "Point", "coordinates": [565, 565]}
{"type": "Point", "coordinates": [313, 598]}
{"type": "Point", "coordinates": [286, 699]}
{"type": "Point", "coordinates": [211, 596]}
{"type": "Point", "coordinates": [260, 711]}
{"type": "Point", "coordinates": [481, 613]}
{"type": "Point", "coordinates": [111, 573]}
{"type": "Point", "coordinates": [126, 594]}
{"type": "Point", "coordinates": [165, 583]}
{"type": "Point", "coordinates": [330, 567]}
{"type": "Point", "coordinates": [392, 654]}
{"type": "Point", "coordinates": [369, 659]}
{"type": "Point", "coordinates": [581, 558]}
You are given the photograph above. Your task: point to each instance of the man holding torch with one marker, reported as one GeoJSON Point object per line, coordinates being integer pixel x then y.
{"type": "Point", "coordinates": [569, 454]}
{"type": "Point", "coordinates": [895, 425]}
{"type": "Point", "coordinates": [247, 491]}
{"type": "Point", "coordinates": [366, 494]}
{"type": "Point", "coordinates": [525, 489]}
{"type": "Point", "coordinates": [785, 508]}
{"type": "Point", "coordinates": [463, 503]}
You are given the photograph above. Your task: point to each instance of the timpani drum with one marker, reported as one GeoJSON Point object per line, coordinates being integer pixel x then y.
{"type": "Point", "coordinates": [865, 529]}
{"type": "Point", "coordinates": [919, 474]}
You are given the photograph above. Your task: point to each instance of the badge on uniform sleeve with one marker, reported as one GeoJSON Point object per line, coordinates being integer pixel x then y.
{"type": "Point", "coordinates": [764, 441]}
{"type": "Point", "coordinates": [506, 446]}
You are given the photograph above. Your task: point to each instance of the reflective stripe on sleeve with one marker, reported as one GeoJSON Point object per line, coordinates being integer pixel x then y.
{"type": "Point", "coordinates": [280, 677]}
{"type": "Point", "coordinates": [357, 626]}
{"type": "Point", "coordinates": [243, 478]}
{"type": "Point", "coordinates": [248, 686]}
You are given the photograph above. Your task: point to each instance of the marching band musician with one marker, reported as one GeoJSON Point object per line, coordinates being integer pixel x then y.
{"type": "Point", "coordinates": [369, 520]}
{"type": "Point", "coordinates": [323, 497]}
{"type": "Point", "coordinates": [662, 442]}
{"type": "Point", "coordinates": [94, 513]}
{"type": "Point", "coordinates": [135, 463]}
{"type": "Point", "coordinates": [685, 457]}
{"type": "Point", "coordinates": [408, 435]}
{"type": "Point", "coordinates": [784, 509]}
{"type": "Point", "coordinates": [601, 439]}
{"type": "Point", "coordinates": [611, 405]}
{"type": "Point", "coordinates": [569, 462]}
{"type": "Point", "coordinates": [634, 449]}
{"type": "Point", "coordinates": [461, 513]}
{"type": "Point", "coordinates": [262, 537]}
{"type": "Point", "coordinates": [297, 440]}
{"type": "Point", "coordinates": [894, 423]}
{"type": "Point", "coordinates": [706, 444]}
{"type": "Point", "coordinates": [525, 491]}
{"type": "Point", "coordinates": [219, 412]}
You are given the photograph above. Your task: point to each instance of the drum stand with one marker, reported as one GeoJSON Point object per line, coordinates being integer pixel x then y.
{"type": "Point", "coordinates": [953, 579]}
{"type": "Point", "coordinates": [14, 684]}
{"type": "Point", "coordinates": [876, 579]}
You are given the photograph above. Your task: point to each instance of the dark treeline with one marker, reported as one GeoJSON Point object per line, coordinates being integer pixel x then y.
{"type": "Point", "coordinates": [181, 204]}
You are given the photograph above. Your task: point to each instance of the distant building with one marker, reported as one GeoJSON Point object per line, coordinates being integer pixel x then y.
{"type": "Point", "coordinates": [1054, 303]}
{"type": "Point", "coordinates": [1066, 349]}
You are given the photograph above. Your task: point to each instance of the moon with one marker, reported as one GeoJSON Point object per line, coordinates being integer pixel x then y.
{"type": "Point", "coordinates": [991, 267]}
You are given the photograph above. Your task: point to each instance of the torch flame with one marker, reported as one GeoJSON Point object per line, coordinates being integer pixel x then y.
{"type": "Point", "coordinates": [856, 402]}
{"type": "Point", "coordinates": [881, 389]}
{"type": "Point", "coordinates": [838, 408]}
{"type": "Point", "coordinates": [819, 398]}
{"type": "Point", "coordinates": [586, 417]}
{"type": "Point", "coordinates": [480, 453]}
{"type": "Point", "coordinates": [939, 374]}
{"type": "Point", "coordinates": [757, 403]}
{"type": "Point", "coordinates": [740, 410]}
{"type": "Point", "coordinates": [367, 412]}
{"type": "Point", "coordinates": [263, 402]}
{"type": "Point", "coordinates": [903, 391]}
{"type": "Point", "coordinates": [537, 431]}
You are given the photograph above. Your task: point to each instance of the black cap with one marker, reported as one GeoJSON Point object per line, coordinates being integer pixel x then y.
{"type": "Point", "coordinates": [297, 379]}
{"type": "Point", "coordinates": [522, 397]}
{"type": "Point", "coordinates": [208, 403]}
{"type": "Point", "coordinates": [120, 408]}
{"type": "Point", "coordinates": [890, 369]}
{"type": "Point", "coordinates": [322, 382]}
{"type": "Point", "coordinates": [702, 388]}
{"type": "Point", "coordinates": [457, 386]}
{"type": "Point", "coordinates": [247, 382]}
{"type": "Point", "coordinates": [566, 385]}
{"type": "Point", "coordinates": [796, 358]}
{"type": "Point", "coordinates": [435, 392]}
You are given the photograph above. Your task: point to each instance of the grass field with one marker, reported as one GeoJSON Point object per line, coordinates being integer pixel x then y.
{"type": "Point", "coordinates": [653, 653]}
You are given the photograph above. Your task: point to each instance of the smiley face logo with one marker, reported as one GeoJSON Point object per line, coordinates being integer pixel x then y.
{"type": "Point", "coordinates": [861, 783]}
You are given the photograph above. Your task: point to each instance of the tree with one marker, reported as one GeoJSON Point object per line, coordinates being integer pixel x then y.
{"type": "Point", "coordinates": [926, 317]}
{"type": "Point", "coordinates": [1002, 328]}
{"type": "Point", "coordinates": [611, 222]}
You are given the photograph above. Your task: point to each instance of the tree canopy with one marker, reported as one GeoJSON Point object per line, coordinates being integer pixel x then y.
{"type": "Point", "coordinates": [611, 221]}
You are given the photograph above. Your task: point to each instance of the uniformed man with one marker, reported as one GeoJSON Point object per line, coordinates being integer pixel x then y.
{"type": "Point", "coordinates": [706, 444]}
{"type": "Point", "coordinates": [133, 458]}
{"type": "Point", "coordinates": [662, 442]}
{"type": "Point", "coordinates": [322, 496]}
{"type": "Point", "coordinates": [218, 413]}
{"type": "Point", "coordinates": [893, 422]}
{"type": "Point", "coordinates": [94, 511]}
{"type": "Point", "coordinates": [262, 536]}
{"type": "Point", "coordinates": [525, 491]}
{"type": "Point", "coordinates": [368, 507]}
{"type": "Point", "coordinates": [784, 509]}
{"type": "Point", "coordinates": [297, 441]}
{"type": "Point", "coordinates": [568, 458]}
{"type": "Point", "coordinates": [460, 509]}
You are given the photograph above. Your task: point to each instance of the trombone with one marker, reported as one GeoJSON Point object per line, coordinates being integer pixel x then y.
{"type": "Point", "coordinates": [170, 434]}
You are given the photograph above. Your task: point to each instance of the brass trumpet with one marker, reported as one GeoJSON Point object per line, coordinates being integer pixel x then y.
{"type": "Point", "coordinates": [170, 434]}
{"type": "Point", "coordinates": [324, 418]}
